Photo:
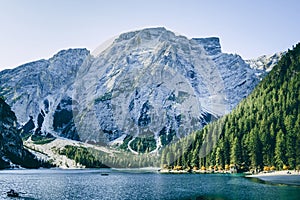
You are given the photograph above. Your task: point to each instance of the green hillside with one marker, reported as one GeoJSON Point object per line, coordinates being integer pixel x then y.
{"type": "Point", "coordinates": [263, 130]}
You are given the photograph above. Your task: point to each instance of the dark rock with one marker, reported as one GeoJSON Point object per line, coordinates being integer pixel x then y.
{"type": "Point", "coordinates": [211, 45]}
{"type": "Point", "coordinates": [11, 145]}
{"type": "Point", "coordinates": [63, 121]}
{"type": "Point", "coordinates": [28, 127]}
{"type": "Point", "coordinates": [144, 118]}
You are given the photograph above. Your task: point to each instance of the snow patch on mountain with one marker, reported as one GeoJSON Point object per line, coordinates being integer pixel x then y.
{"type": "Point", "coordinates": [265, 62]}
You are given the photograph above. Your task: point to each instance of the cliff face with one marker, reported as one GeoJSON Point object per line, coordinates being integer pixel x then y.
{"type": "Point", "coordinates": [154, 82]}
{"type": "Point", "coordinates": [35, 90]}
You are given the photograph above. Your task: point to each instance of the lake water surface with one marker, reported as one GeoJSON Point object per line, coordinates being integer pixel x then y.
{"type": "Point", "coordinates": [91, 184]}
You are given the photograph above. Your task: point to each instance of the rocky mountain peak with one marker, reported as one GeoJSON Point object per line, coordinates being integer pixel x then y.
{"type": "Point", "coordinates": [148, 34]}
{"type": "Point", "coordinates": [211, 45]}
{"type": "Point", "coordinates": [152, 80]}
{"type": "Point", "coordinates": [67, 53]}
{"type": "Point", "coordinates": [265, 62]}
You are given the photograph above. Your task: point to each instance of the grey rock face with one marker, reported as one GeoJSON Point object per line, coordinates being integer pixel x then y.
{"type": "Point", "coordinates": [34, 90]}
{"type": "Point", "coordinates": [211, 45]}
{"type": "Point", "coordinates": [264, 64]}
{"type": "Point", "coordinates": [152, 81]}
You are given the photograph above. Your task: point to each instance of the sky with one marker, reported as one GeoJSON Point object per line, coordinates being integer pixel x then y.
{"type": "Point", "coordinates": [33, 29]}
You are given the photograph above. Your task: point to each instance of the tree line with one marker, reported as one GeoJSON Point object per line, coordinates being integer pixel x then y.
{"type": "Point", "coordinates": [263, 130]}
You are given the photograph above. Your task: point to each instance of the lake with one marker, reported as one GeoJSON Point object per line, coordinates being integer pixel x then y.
{"type": "Point", "coordinates": [92, 184]}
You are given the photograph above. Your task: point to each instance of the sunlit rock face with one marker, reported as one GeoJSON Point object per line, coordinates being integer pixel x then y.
{"type": "Point", "coordinates": [146, 82]}
{"type": "Point", "coordinates": [34, 90]}
{"type": "Point", "coordinates": [155, 82]}
{"type": "Point", "coordinates": [264, 64]}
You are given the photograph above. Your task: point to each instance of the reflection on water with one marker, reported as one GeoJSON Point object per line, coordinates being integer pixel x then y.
{"type": "Point", "coordinates": [92, 184]}
{"type": "Point", "coordinates": [277, 181]}
{"type": "Point", "coordinates": [208, 197]}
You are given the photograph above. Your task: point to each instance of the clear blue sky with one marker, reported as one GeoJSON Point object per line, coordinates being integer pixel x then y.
{"type": "Point", "coordinates": [35, 29]}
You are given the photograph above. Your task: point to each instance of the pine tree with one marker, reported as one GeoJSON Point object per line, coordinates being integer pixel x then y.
{"type": "Point", "coordinates": [236, 155]}
{"type": "Point", "coordinates": [280, 150]}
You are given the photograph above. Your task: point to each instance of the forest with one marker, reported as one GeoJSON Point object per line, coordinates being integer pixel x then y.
{"type": "Point", "coordinates": [263, 131]}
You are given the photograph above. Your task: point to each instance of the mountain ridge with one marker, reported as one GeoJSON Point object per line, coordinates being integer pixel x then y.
{"type": "Point", "coordinates": [81, 96]}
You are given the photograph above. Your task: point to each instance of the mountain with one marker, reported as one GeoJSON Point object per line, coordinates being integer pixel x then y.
{"type": "Point", "coordinates": [265, 63]}
{"type": "Point", "coordinates": [262, 131]}
{"type": "Point", "coordinates": [36, 90]}
{"type": "Point", "coordinates": [149, 83]}
{"type": "Point", "coordinates": [12, 151]}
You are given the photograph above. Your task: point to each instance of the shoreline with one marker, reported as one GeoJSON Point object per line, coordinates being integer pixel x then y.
{"type": "Point", "coordinates": [279, 177]}
{"type": "Point", "coordinates": [183, 171]}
